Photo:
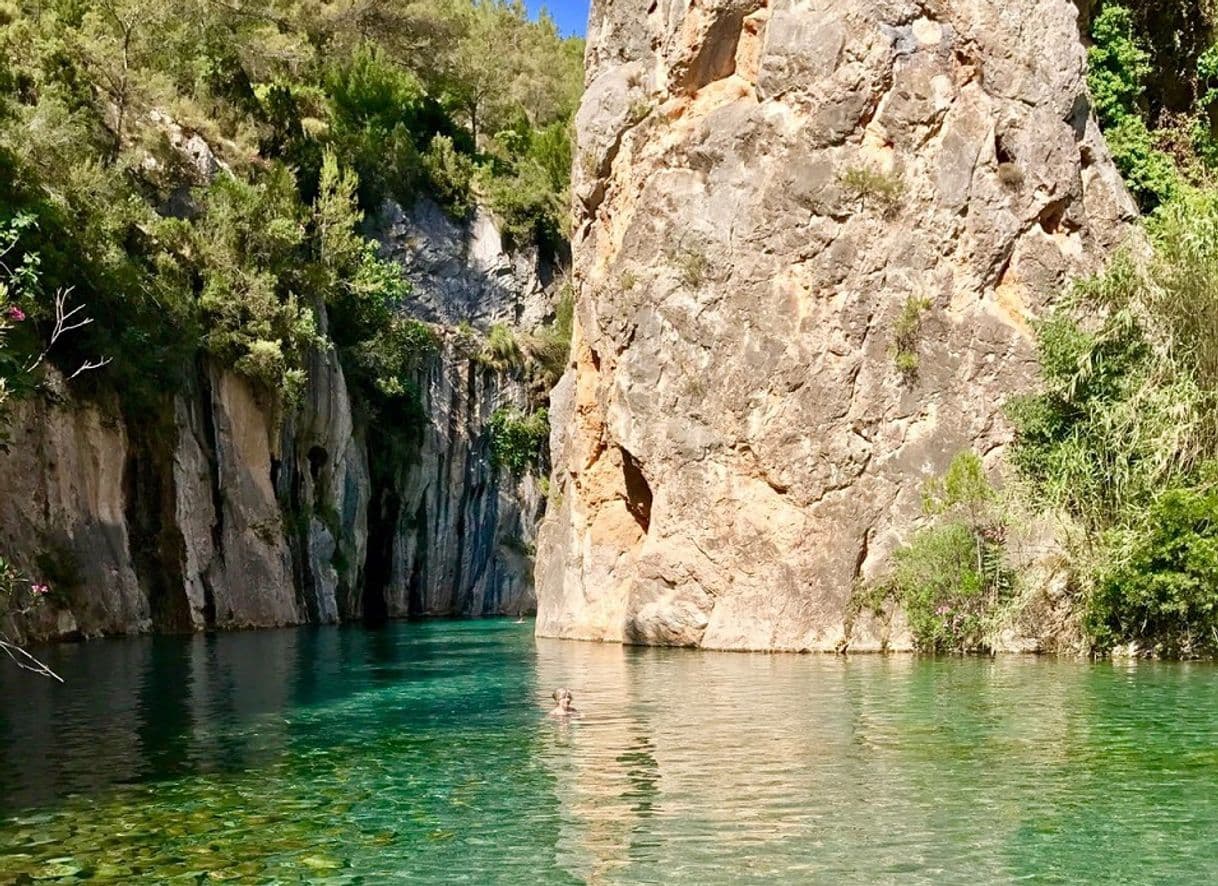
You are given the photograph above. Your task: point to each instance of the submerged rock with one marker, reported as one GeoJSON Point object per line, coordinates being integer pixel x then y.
{"type": "Point", "coordinates": [762, 190]}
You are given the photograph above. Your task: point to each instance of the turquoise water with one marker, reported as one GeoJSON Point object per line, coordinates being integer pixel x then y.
{"type": "Point", "coordinates": [422, 753]}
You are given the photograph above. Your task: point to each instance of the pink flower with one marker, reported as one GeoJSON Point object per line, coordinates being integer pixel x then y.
{"type": "Point", "coordinates": [40, 590]}
{"type": "Point", "coordinates": [943, 610]}
{"type": "Point", "coordinates": [15, 314]}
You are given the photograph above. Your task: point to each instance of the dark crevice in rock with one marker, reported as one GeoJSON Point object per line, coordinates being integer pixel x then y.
{"type": "Point", "coordinates": [317, 460]}
{"type": "Point", "coordinates": [211, 452]}
{"type": "Point", "coordinates": [638, 491]}
{"type": "Point", "coordinates": [1052, 216]}
{"type": "Point", "coordinates": [157, 547]}
{"type": "Point", "coordinates": [1002, 152]}
{"type": "Point", "coordinates": [418, 570]}
{"type": "Point", "coordinates": [383, 515]}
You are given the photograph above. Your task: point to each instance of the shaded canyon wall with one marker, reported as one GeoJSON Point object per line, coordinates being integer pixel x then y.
{"type": "Point", "coordinates": [220, 515]}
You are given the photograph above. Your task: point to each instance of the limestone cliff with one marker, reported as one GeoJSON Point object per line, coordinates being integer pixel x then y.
{"type": "Point", "coordinates": [762, 188]}
{"type": "Point", "coordinates": [222, 513]}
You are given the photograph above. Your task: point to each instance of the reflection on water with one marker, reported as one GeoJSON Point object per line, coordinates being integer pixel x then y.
{"type": "Point", "coordinates": [422, 752]}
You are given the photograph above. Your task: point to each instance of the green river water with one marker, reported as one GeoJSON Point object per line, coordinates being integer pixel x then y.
{"type": "Point", "coordinates": [422, 753]}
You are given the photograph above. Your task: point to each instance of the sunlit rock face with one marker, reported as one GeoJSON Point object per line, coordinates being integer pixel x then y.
{"type": "Point", "coordinates": [761, 189]}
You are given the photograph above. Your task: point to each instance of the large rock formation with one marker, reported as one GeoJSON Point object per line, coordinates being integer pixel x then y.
{"type": "Point", "coordinates": [223, 513]}
{"type": "Point", "coordinates": [762, 188]}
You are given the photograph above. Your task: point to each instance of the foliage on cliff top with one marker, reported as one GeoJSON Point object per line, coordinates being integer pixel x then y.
{"type": "Point", "coordinates": [174, 158]}
{"type": "Point", "coordinates": [1153, 76]}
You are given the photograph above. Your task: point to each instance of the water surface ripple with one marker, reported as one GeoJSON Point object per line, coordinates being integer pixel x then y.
{"type": "Point", "coordinates": [422, 753]}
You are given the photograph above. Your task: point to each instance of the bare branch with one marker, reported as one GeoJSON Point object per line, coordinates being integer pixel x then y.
{"type": "Point", "coordinates": [89, 366]}
{"type": "Point", "coordinates": [66, 320]}
{"type": "Point", "coordinates": [26, 661]}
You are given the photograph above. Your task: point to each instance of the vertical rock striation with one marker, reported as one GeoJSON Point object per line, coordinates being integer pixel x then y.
{"type": "Point", "coordinates": [222, 513]}
{"type": "Point", "coordinates": [461, 529]}
{"type": "Point", "coordinates": [762, 188]}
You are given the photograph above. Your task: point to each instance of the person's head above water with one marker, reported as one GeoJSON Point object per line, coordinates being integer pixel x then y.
{"type": "Point", "coordinates": [563, 699]}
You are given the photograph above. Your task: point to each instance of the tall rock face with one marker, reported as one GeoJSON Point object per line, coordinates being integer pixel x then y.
{"type": "Point", "coordinates": [222, 512]}
{"type": "Point", "coordinates": [762, 190]}
{"type": "Point", "coordinates": [456, 532]}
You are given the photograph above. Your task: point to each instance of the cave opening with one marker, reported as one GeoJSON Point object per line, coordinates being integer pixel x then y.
{"type": "Point", "coordinates": [638, 491]}
{"type": "Point", "coordinates": [317, 460]}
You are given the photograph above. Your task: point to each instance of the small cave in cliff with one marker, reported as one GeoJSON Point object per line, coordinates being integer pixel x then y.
{"type": "Point", "coordinates": [638, 491]}
{"type": "Point", "coordinates": [317, 460]}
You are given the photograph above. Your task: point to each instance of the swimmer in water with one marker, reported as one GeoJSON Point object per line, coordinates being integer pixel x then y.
{"type": "Point", "coordinates": [563, 707]}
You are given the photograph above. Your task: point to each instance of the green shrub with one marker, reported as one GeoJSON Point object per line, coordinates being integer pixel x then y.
{"type": "Point", "coordinates": [550, 347]}
{"type": "Point", "coordinates": [518, 440]}
{"type": "Point", "coordinates": [450, 174]}
{"type": "Point", "coordinates": [1127, 406]}
{"type": "Point", "coordinates": [951, 580]}
{"type": "Point", "coordinates": [251, 244]}
{"type": "Point", "coordinates": [1127, 409]}
{"type": "Point", "coordinates": [1151, 174]}
{"type": "Point", "coordinates": [874, 189]}
{"type": "Point", "coordinates": [389, 361]}
{"type": "Point", "coordinates": [501, 350]}
{"type": "Point", "coordinates": [1117, 69]}
{"type": "Point", "coordinates": [528, 183]}
{"type": "Point", "coordinates": [1158, 588]}
{"type": "Point", "coordinates": [906, 332]}
{"type": "Point", "coordinates": [1117, 65]}
{"type": "Point", "coordinates": [692, 266]}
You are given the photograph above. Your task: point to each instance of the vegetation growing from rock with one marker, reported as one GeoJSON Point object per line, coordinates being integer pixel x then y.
{"type": "Point", "coordinates": [550, 346]}
{"type": "Point", "coordinates": [1153, 73]}
{"type": "Point", "coordinates": [906, 336]}
{"type": "Point", "coordinates": [1122, 436]}
{"type": "Point", "coordinates": [951, 579]}
{"type": "Point", "coordinates": [518, 440]}
{"type": "Point", "coordinates": [872, 188]}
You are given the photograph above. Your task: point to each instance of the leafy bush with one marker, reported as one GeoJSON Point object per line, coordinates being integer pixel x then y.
{"type": "Point", "coordinates": [692, 266]}
{"type": "Point", "coordinates": [527, 183]}
{"type": "Point", "coordinates": [1151, 175]}
{"type": "Point", "coordinates": [169, 260]}
{"type": "Point", "coordinates": [451, 175]}
{"type": "Point", "coordinates": [1127, 406]}
{"type": "Point", "coordinates": [390, 359]}
{"type": "Point", "coordinates": [1159, 587]}
{"type": "Point", "coordinates": [250, 241]}
{"type": "Point", "coordinates": [906, 332]}
{"type": "Point", "coordinates": [951, 580]}
{"type": "Point", "coordinates": [1117, 68]}
{"type": "Point", "coordinates": [1117, 65]}
{"type": "Point", "coordinates": [550, 347]}
{"type": "Point", "coordinates": [872, 188]}
{"type": "Point", "coordinates": [501, 350]}
{"type": "Point", "coordinates": [1121, 433]}
{"type": "Point", "coordinates": [518, 440]}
